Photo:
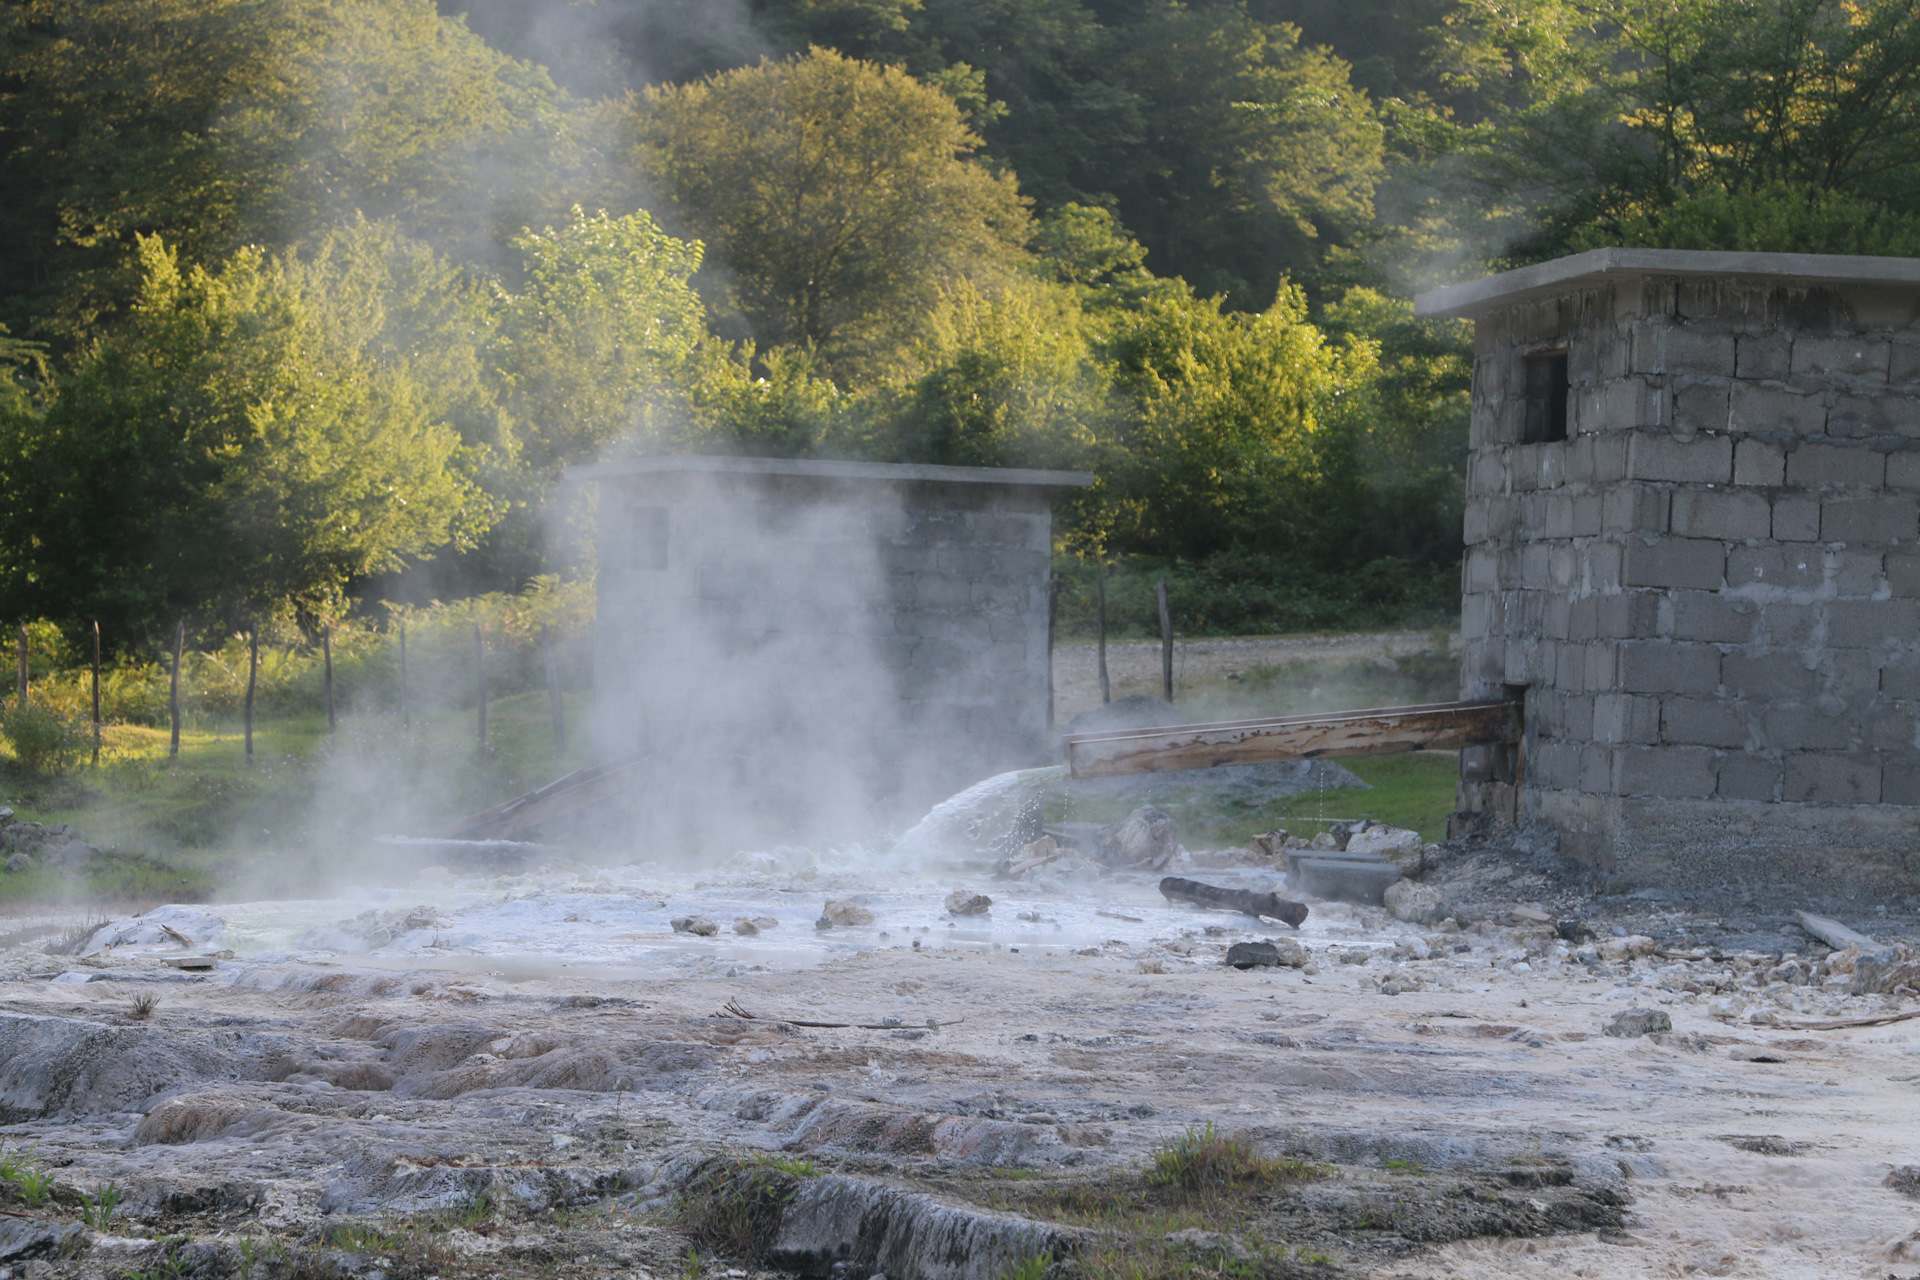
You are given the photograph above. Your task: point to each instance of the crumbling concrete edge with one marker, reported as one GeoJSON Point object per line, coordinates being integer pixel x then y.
{"type": "Point", "coordinates": [874, 1226]}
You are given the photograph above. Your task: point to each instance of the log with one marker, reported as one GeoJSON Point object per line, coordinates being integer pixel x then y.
{"type": "Point", "coordinates": [1833, 933]}
{"type": "Point", "coordinates": [558, 798]}
{"type": "Point", "coordinates": [96, 692]}
{"type": "Point", "coordinates": [1175, 889]}
{"type": "Point", "coordinates": [1380, 731]}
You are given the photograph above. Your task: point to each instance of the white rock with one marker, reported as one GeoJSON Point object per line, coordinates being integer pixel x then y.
{"type": "Point", "coordinates": [1415, 903]}
{"type": "Point", "coordinates": [1403, 848]}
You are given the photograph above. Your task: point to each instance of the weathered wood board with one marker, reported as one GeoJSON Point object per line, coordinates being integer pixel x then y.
{"type": "Point", "coordinates": [1380, 731]}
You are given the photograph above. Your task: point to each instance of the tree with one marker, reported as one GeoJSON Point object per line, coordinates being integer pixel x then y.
{"type": "Point", "coordinates": [601, 338]}
{"type": "Point", "coordinates": [247, 444]}
{"type": "Point", "coordinates": [840, 197]}
{"type": "Point", "coordinates": [221, 123]}
{"type": "Point", "coordinates": [1255, 153]}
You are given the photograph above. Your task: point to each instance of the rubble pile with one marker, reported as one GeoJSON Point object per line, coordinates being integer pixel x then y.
{"type": "Point", "coordinates": [26, 845]}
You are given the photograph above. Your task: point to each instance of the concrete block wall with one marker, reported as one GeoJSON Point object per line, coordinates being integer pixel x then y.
{"type": "Point", "coordinates": [1711, 589]}
{"type": "Point", "coordinates": [813, 650]}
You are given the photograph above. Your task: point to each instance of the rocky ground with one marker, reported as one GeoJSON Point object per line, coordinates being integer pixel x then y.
{"type": "Point", "coordinates": [536, 1075]}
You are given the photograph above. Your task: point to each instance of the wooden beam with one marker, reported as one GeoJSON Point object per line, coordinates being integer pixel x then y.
{"type": "Point", "coordinates": [1380, 731]}
{"type": "Point", "coordinates": [563, 796]}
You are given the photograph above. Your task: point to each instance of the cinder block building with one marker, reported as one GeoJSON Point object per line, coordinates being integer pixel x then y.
{"type": "Point", "coordinates": [1692, 511]}
{"type": "Point", "coordinates": [807, 650]}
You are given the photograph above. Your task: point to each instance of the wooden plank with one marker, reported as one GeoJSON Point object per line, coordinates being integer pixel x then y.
{"type": "Point", "coordinates": [524, 812]}
{"type": "Point", "coordinates": [1379, 731]}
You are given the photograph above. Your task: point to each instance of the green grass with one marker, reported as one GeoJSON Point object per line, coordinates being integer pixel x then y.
{"type": "Point", "coordinates": [177, 826]}
{"type": "Point", "coordinates": [1414, 790]}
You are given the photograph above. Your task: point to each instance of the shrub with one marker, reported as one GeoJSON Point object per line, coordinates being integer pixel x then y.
{"type": "Point", "coordinates": [43, 739]}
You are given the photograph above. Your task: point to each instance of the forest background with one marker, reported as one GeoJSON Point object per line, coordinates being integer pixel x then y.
{"type": "Point", "coordinates": [308, 304]}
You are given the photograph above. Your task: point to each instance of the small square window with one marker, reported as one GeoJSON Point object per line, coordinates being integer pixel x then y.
{"type": "Point", "coordinates": [1546, 398]}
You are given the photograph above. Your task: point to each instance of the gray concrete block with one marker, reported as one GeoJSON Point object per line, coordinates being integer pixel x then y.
{"type": "Point", "coordinates": [1764, 355]}
{"type": "Point", "coordinates": [1793, 626]}
{"type": "Point", "coordinates": [1903, 469]}
{"type": "Point", "coordinates": [1729, 514]}
{"type": "Point", "coordinates": [1667, 666]}
{"type": "Point", "coordinates": [1665, 771]}
{"type": "Point", "coordinates": [1712, 616]}
{"type": "Point", "coordinates": [1700, 406]}
{"type": "Point", "coordinates": [1855, 571]}
{"type": "Point", "coordinates": [1597, 770]}
{"type": "Point", "coordinates": [1626, 615]}
{"type": "Point", "coordinates": [1814, 465]}
{"type": "Point", "coordinates": [1757, 407]}
{"type": "Point", "coordinates": [1903, 574]}
{"type": "Point", "coordinates": [1849, 675]}
{"type": "Point", "coordinates": [1904, 367]}
{"type": "Point", "coordinates": [1900, 779]}
{"type": "Point", "coordinates": [1660, 347]}
{"type": "Point", "coordinates": [1703, 722]}
{"type": "Point", "coordinates": [1745, 776]}
{"type": "Point", "coordinates": [1587, 512]}
{"type": "Point", "coordinates": [1889, 726]}
{"type": "Point", "coordinates": [1864, 624]}
{"type": "Point", "coordinates": [1620, 718]}
{"type": "Point", "coordinates": [1831, 779]}
{"type": "Point", "coordinates": [1758, 462]}
{"type": "Point", "coordinates": [1673, 562]}
{"type": "Point", "coordinates": [1890, 413]}
{"type": "Point", "coordinates": [1776, 674]}
{"type": "Point", "coordinates": [1870, 520]}
{"type": "Point", "coordinates": [1705, 459]}
{"type": "Point", "coordinates": [1555, 765]}
{"type": "Point", "coordinates": [1852, 357]}
{"type": "Point", "coordinates": [1796, 519]}
{"type": "Point", "coordinates": [1610, 456]}
{"type": "Point", "coordinates": [1799, 726]}
{"type": "Point", "coordinates": [1342, 881]}
{"type": "Point", "coordinates": [1790, 568]}
{"type": "Point", "coordinates": [1635, 509]}
{"type": "Point", "coordinates": [1901, 677]}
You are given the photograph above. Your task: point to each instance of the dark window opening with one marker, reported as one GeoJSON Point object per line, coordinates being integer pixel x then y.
{"type": "Point", "coordinates": [1546, 398]}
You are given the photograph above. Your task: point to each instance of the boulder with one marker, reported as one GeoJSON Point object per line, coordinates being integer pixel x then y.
{"type": "Point", "coordinates": [1403, 848]}
{"type": "Point", "coordinates": [965, 902]}
{"type": "Point", "coordinates": [1415, 903]}
{"type": "Point", "coordinates": [842, 913]}
{"type": "Point", "coordinates": [1886, 970]}
{"type": "Point", "coordinates": [1267, 953]}
{"type": "Point", "coordinates": [699, 926]}
{"type": "Point", "coordinates": [1145, 838]}
{"type": "Point", "coordinates": [1638, 1022]}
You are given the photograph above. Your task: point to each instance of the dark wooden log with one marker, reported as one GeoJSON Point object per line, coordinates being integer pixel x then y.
{"type": "Point", "coordinates": [1166, 642]}
{"type": "Point", "coordinates": [1106, 686]}
{"type": "Point", "coordinates": [1380, 731]}
{"type": "Point", "coordinates": [326, 649]}
{"type": "Point", "coordinates": [1175, 889]}
{"type": "Point", "coordinates": [1053, 620]}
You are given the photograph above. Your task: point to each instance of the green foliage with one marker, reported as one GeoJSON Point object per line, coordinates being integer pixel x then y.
{"type": "Point", "coordinates": [1205, 1159]}
{"type": "Point", "coordinates": [735, 1209]}
{"type": "Point", "coordinates": [604, 329]}
{"type": "Point", "coordinates": [1038, 1267]}
{"type": "Point", "coordinates": [841, 196]}
{"type": "Point", "coordinates": [43, 739]}
{"type": "Point", "coordinates": [236, 449]}
{"type": "Point", "coordinates": [34, 1186]}
{"type": "Point", "coordinates": [222, 123]}
{"type": "Point", "coordinates": [96, 1210]}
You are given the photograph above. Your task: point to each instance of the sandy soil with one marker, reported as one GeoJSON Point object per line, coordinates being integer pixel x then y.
{"type": "Point", "coordinates": [1134, 666]}
{"type": "Point", "coordinates": [550, 1037]}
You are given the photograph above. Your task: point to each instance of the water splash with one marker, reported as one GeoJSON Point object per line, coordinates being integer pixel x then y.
{"type": "Point", "coordinates": [990, 819]}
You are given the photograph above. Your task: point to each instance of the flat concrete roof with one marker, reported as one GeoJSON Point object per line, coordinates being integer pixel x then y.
{"type": "Point", "coordinates": [1563, 274]}
{"type": "Point", "coordinates": [822, 469]}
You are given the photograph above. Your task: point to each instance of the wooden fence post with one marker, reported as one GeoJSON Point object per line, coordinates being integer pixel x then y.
{"type": "Point", "coordinates": [1166, 643]}
{"type": "Point", "coordinates": [96, 692]}
{"type": "Point", "coordinates": [23, 664]}
{"type": "Point", "coordinates": [406, 709]}
{"type": "Point", "coordinates": [173, 692]}
{"type": "Point", "coordinates": [553, 693]}
{"type": "Point", "coordinates": [1106, 688]}
{"type": "Point", "coordinates": [326, 648]}
{"type": "Point", "coordinates": [480, 680]}
{"type": "Point", "coordinates": [253, 677]}
{"type": "Point", "coordinates": [1053, 616]}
